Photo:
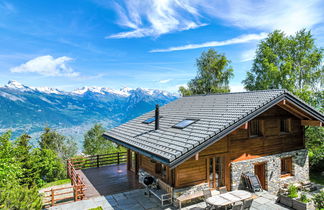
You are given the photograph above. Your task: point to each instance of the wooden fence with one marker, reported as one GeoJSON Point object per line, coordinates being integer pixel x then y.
{"type": "Point", "coordinates": [76, 191]}
{"type": "Point", "coordinates": [99, 160]}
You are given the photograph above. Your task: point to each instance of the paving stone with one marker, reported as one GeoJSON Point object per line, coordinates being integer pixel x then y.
{"type": "Point", "coordinates": [119, 196]}
{"type": "Point", "coordinates": [127, 201]}
{"type": "Point", "coordinates": [261, 200]}
{"type": "Point", "coordinates": [130, 207]}
{"type": "Point", "coordinates": [147, 203]}
{"type": "Point", "coordinates": [269, 196]}
{"type": "Point", "coordinates": [99, 199]}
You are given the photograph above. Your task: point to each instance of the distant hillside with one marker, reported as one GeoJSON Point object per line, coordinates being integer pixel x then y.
{"type": "Point", "coordinates": [27, 109]}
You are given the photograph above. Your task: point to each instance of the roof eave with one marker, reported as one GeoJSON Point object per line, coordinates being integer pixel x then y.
{"type": "Point", "coordinates": [141, 151]}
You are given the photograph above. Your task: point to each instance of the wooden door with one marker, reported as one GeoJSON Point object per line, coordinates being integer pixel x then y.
{"type": "Point", "coordinates": [216, 172]}
{"type": "Point", "coordinates": [259, 170]}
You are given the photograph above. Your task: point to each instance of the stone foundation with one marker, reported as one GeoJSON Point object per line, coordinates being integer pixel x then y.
{"type": "Point", "coordinates": [189, 190]}
{"type": "Point", "coordinates": [300, 170]}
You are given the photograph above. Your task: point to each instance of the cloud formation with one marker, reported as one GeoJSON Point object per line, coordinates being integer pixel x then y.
{"type": "Point", "coordinates": [248, 55]}
{"type": "Point", "coordinates": [236, 40]}
{"type": "Point", "coordinates": [47, 65]}
{"type": "Point", "coordinates": [153, 18]}
{"type": "Point", "coordinates": [164, 81]}
{"type": "Point", "coordinates": [289, 16]}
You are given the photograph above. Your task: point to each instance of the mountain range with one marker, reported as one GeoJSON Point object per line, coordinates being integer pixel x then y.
{"type": "Point", "coordinates": [30, 109]}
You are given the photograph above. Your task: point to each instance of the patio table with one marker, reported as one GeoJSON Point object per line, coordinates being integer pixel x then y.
{"type": "Point", "coordinates": [228, 198]}
{"type": "Point", "coordinates": [242, 194]}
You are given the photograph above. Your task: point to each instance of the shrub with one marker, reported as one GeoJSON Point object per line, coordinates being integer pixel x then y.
{"type": "Point", "coordinates": [303, 198]}
{"type": "Point", "coordinates": [292, 191]}
{"type": "Point", "coordinates": [319, 200]}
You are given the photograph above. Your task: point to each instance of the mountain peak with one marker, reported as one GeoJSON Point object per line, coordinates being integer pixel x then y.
{"type": "Point", "coordinates": [85, 89]}
{"type": "Point", "coordinates": [13, 84]}
{"type": "Point", "coordinates": [48, 90]}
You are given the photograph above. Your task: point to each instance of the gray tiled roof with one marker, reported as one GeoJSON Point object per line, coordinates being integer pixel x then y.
{"type": "Point", "coordinates": [215, 112]}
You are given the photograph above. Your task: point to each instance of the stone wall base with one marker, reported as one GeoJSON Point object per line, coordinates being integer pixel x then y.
{"type": "Point", "coordinates": [273, 180]}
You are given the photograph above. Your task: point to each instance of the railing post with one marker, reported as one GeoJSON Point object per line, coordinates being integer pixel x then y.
{"type": "Point", "coordinates": [75, 192]}
{"type": "Point", "coordinates": [52, 197]}
{"type": "Point", "coordinates": [97, 161]}
{"type": "Point", "coordinates": [118, 158]}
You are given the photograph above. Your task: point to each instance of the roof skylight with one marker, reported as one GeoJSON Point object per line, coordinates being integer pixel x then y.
{"type": "Point", "coordinates": [184, 123]}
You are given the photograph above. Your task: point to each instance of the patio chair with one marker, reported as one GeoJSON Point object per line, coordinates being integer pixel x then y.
{"type": "Point", "coordinates": [247, 203]}
{"type": "Point", "coordinates": [237, 206]}
{"type": "Point", "coordinates": [207, 194]}
{"type": "Point", "coordinates": [222, 190]}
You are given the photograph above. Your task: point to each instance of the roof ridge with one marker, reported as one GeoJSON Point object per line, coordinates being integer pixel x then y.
{"type": "Point", "coordinates": [253, 91]}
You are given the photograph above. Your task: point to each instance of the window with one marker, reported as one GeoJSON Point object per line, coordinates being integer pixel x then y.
{"type": "Point", "coordinates": [286, 167]}
{"type": "Point", "coordinates": [184, 123]}
{"type": "Point", "coordinates": [160, 169]}
{"type": "Point", "coordinates": [216, 172]}
{"type": "Point", "coordinates": [254, 128]}
{"type": "Point", "coordinates": [150, 120]}
{"type": "Point", "coordinates": [284, 125]}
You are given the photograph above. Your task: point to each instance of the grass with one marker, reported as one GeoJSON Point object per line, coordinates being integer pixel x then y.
{"type": "Point", "coordinates": [97, 208]}
{"type": "Point", "coordinates": [58, 182]}
{"type": "Point", "coordinates": [316, 177]}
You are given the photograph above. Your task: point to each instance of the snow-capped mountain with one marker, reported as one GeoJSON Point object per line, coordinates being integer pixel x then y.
{"type": "Point", "coordinates": [12, 84]}
{"type": "Point", "coordinates": [30, 109]}
{"type": "Point", "coordinates": [49, 90]}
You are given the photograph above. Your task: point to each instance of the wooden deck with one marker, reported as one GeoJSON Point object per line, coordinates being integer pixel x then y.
{"type": "Point", "coordinates": [108, 180]}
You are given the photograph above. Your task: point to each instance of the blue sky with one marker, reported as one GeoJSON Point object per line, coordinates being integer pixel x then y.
{"type": "Point", "coordinates": [138, 43]}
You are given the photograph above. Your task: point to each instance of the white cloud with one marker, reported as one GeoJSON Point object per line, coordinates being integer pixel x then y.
{"type": "Point", "coordinates": [287, 15]}
{"type": "Point", "coordinates": [237, 88]}
{"type": "Point", "coordinates": [153, 18]}
{"type": "Point", "coordinates": [48, 66]}
{"type": "Point", "coordinates": [248, 55]}
{"type": "Point", "coordinates": [165, 81]}
{"type": "Point", "coordinates": [236, 40]}
{"type": "Point", "coordinates": [175, 88]}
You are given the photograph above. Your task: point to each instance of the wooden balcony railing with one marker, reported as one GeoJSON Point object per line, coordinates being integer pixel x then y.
{"type": "Point", "coordinates": [76, 191]}
{"type": "Point", "coordinates": [99, 160]}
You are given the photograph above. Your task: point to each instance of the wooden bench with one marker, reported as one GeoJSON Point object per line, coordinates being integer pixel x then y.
{"type": "Point", "coordinates": [183, 198]}
{"type": "Point", "coordinates": [191, 196]}
{"type": "Point", "coordinates": [164, 192]}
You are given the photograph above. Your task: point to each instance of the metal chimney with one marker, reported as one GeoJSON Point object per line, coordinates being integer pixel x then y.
{"type": "Point", "coordinates": [157, 116]}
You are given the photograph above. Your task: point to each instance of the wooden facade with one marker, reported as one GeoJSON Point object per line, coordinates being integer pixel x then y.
{"type": "Point", "coordinates": [278, 130]}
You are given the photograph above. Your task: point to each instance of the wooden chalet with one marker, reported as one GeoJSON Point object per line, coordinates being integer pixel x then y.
{"type": "Point", "coordinates": [208, 141]}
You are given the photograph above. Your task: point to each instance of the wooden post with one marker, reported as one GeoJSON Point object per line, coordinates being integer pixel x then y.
{"type": "Point", "coordinates": [97, 161]}
{"type": "Point", "coordinates": [52, 197]}
{"type": "Point", "coordinates": [117, 158]}
{"type": "Point", "coordinates": [197, 156]}
{"type": "Point", "coordinates": [75, 192]}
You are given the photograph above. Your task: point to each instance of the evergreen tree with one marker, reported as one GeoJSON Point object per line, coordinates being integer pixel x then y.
{"type": "Point", "coordinates": [65, 147]}
{"type": "Point", "coordinates": [95, 144]}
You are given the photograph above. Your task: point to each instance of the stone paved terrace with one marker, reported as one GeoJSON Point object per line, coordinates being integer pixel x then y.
{"type": "Point", "coordinates": [135, 200]}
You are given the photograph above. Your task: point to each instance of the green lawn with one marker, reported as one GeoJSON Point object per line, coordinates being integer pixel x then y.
{"type": "Point", "coordinates": [97, 208]}
{"type": "Point", "coordinates": [317, 177]}
{"type": "Point", "coordinates": [59, 182]}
